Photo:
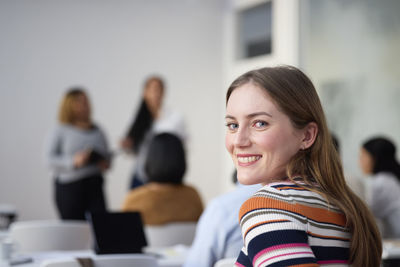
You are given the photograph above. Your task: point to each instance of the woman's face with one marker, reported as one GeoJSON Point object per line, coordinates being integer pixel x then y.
{"type": "Point", "coordinates": [366, 161]}
{"type": "Point", "coordinates": [153, 94]}
{"type": "Point", "coordinates": [81, 108]}
{"type": "Point", "coordinates": [260, 138]}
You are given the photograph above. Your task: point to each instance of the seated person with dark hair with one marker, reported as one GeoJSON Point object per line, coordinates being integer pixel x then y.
{"type": "Point", "coordinates": [165, 198]}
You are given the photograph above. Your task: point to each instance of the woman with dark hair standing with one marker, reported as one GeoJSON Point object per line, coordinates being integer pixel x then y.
{"type": "Point", "coordinates": [165, 198]}
{"type": "Point", "coordinates": [78, 155]}
{"type": "Point", "coordinates": [150, 119]}
{"type": "Point", "coordinates": [378, 159]}
{"type": "Point", "coordinates": [305, 214]}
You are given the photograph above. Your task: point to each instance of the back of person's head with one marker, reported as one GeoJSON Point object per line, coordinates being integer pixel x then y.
{"type": "Point", "coordinates": [319, 165]}
{"type": "Point", "coordinates": [66, 112]}
{"type": "Point", "coordinates": [383, 152]}
{"type": "Point", "coordinates": [165, 161]}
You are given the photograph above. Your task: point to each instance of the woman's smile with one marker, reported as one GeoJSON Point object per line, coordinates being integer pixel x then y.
{"type": "Point", "coordinates": [247, 159]}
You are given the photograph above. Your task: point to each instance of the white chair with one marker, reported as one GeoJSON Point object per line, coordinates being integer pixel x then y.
{"type": "Point", "coordinates": [116, 260]}
{"type": "Point", "coordinates": [170, 234]}
{"type": "Point", "coordinates": [34, 236]}
{"type": "Point", "coordinates": [60, 263]}
{"type": "Point", "coordinates": [228, 262]}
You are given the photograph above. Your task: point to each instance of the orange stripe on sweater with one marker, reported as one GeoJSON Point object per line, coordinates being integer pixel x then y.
{"type": "Point", "coordinates": [317, 214]}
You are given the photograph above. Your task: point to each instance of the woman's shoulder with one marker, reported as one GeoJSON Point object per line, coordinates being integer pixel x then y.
{"type": "Point", "coordinates": [385, 176]}
{"type": "Point", "coordinates": [66, 127]}
{"type": "Point", "coordinates": [62, 128]}
{"type": "Point", "coordinates": [190, 193]}
{"type": "Point", "coordinates": [136, 198]}
{"type": "Point", "coordinates": [289, 198]}
{"type": "Point", "coordinates": [284, 191]}
{"type": "Point", "coordinates": [266, 197]}
{"type": "Point", "coordinates": [98, 129]}
{"type": "Point", "coordinates": [183, 190]}
{"type": "Point", "coordinates": [141, 192]}
{"type": "Point", "coordinates": [385, 180]}
{"type": "Point", "coordinates": [287, 191]}
{"type": "Point", "coordinates": [189, 188]}
{"type": "Point", "coordinates": [163, 189]}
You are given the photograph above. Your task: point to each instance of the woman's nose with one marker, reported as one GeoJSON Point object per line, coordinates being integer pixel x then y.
{"type": "Point", "coordinates": [242, 138]}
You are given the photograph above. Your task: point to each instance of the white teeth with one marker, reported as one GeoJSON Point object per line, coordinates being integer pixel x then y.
{"type": "Point", "coordinates": [248, 159]}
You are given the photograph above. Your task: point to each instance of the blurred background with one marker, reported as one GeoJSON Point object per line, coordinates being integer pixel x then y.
{"type": "Point", "coordinates": [349, 48]}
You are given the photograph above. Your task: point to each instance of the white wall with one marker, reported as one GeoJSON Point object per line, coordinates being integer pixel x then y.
{"type": "Point", "coordinates": [109, 47]}
{"type": "Point", "coordinates": [350, 49]}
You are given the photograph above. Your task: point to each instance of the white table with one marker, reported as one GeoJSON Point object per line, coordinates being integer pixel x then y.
{"type": "Point", "coordinates": [169, 256]}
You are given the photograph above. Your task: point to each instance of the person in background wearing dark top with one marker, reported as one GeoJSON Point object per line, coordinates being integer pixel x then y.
{"type": "Point", "coordinates": [378, 159]}
{"type": "Point", "coordinates": [150, 119]}
{"type": "Point", "coordinates": [165, 198]}
{"type": "Point", "coordinates": [77, 154]}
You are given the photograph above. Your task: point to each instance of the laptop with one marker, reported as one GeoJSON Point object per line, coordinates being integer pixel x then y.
{"type": "Point", "coordinates": [117, 232]}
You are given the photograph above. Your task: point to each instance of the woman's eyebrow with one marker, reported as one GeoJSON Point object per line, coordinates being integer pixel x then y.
{"type": "Point", "coordinates": [251, 115]}
{"type": "Point", "coordinates": [255, 114]}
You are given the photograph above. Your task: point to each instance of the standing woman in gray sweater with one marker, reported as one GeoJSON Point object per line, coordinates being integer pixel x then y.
{"type": "Point", "coordinates": [77, 154]}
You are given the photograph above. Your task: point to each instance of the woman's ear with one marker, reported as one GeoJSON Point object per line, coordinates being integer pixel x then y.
{"type": "Point", "coordinates": [310, 134]}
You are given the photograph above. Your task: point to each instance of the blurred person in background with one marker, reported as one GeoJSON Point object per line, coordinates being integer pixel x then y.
{"type": "Point", "coordinates": [165, 198]}
{"type": "Point", "coordinates": [218, 234]}
{"type": "Point", "coordinates": [77, 154]}
{"type": "Point", "coordinates": [151, 118]}
{"type": "Point", "coordinates": [378, 160]}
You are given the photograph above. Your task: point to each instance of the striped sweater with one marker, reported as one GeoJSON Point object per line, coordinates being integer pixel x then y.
{"type": "Point", "coordinates": [284, 224]}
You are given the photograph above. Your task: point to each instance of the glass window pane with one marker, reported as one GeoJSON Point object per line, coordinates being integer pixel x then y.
{"type": "Point", "coordinates": [255, 30]}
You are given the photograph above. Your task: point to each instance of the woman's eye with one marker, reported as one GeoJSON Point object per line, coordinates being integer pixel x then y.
{"type": "Point", "coordinates": [260, 124]}
{"type": "Point", "coordinates": [232, 126]}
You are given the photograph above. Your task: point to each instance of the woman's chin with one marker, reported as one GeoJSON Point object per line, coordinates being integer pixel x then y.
{"type": "Point", "coordinates": [246, 180]}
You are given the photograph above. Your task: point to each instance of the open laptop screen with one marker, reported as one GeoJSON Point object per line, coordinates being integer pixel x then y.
{"type": "Point", "coordinates": [117, 232]}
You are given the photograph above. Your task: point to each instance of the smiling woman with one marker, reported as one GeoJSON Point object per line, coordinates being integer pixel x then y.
{"type": "Point", "coordinates": [260, 138]}
{"type": "Point", "coordinates": [305, 215]}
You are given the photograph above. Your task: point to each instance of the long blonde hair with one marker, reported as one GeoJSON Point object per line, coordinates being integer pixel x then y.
{"type": "Point", "coordinates": [319, 166]}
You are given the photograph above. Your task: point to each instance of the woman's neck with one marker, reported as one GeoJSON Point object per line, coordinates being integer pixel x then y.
{"type": "Point", "coordinates": [155, 113]}
{"type": "Point", "coordinates": [277, 180]}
